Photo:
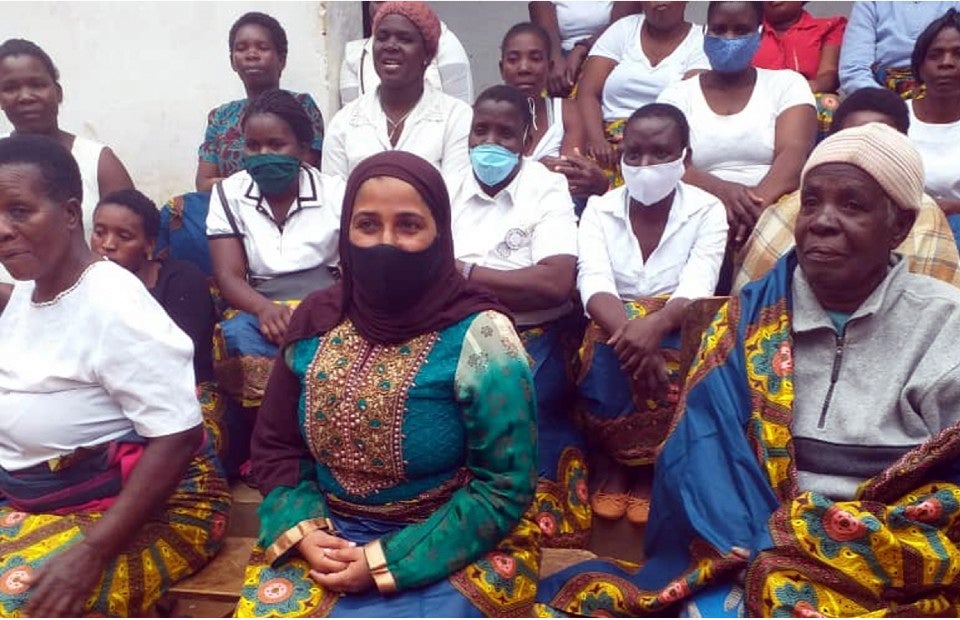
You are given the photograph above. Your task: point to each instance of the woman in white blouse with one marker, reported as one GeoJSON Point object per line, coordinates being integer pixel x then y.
{"type": "Point", "coordinates": [628, 67]}
{"type": "Point", "coordinates": [402, 113]}
{"type": "Point", "coordinates": [273, 230]}
{"type": "Point", "coordinates": [555, 135]}
{"type": "Point", "coordinates": [750, 129]}
{"type": "Point", "coordinates": [646, 250]}
{"type": "Point", "coordinates": [111, 491]}
{"type": "Point", "coordinates": [935, 118]}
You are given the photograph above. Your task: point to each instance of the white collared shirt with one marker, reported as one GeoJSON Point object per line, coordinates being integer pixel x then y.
{"type": "Point", "coordinates": [529, 220]}
{"type": "Point", "coordinates": [436, 129]}
{"type": "Point", "coordinates": [685, 264]}
{"type": "Point", "coordinates": [308, 237]}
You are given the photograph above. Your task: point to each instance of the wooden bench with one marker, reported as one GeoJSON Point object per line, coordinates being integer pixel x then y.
{"type": "Point", "coordinates": [215, 590]}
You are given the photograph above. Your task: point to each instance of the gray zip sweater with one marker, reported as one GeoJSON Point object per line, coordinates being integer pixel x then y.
{"type": "Point", "coordinates": [888, 383]}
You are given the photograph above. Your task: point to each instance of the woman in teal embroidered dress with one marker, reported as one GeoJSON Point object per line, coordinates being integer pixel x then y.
{"type": "Point", "coordinates": [396, 444]}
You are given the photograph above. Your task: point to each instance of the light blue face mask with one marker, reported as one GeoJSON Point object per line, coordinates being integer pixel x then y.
{"type": "Point", "coordinates": [492, 163]}
{"type": "Point", "coordinates": [728, 55]}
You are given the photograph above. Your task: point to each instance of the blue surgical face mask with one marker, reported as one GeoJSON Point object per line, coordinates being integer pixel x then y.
{"type": "Point", "coordinates": [492, 163]}
{"type": "Point", "coordinates": [728, 55]}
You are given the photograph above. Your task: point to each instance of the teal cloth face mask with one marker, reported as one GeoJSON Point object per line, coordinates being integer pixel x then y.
{"type": "Point", "coordinates": [492, 163]}
{"type": "Point", "coordinates": [273, 173]}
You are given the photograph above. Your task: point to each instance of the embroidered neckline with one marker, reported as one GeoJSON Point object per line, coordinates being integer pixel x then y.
{"type": "Point", "coordinates": [59, 296]}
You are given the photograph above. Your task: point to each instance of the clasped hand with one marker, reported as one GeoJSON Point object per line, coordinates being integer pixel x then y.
{"type": "Point", "coordinates": [335, 563]}
{"type": "Point", "coordinates": [637, 345]}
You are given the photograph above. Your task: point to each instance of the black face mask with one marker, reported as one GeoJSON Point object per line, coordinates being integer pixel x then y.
{"type": "Point", "coordinates": [388, 278]}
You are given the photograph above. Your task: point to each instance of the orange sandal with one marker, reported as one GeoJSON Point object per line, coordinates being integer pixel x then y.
{"type": "Point", "coordinates": [638, 510]}
{"type": "Point", "coordinates": [609, 505]}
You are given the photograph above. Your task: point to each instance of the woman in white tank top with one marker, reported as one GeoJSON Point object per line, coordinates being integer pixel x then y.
{"type": "Point", "coordinates": [30, 96]}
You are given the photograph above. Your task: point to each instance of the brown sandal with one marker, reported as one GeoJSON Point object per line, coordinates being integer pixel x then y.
{"type": "Point", "coordinates": [638, 510]}
{"type": "Point", "coordinates": [609, 505]}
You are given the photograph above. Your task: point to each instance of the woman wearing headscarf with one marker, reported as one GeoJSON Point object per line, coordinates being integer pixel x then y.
{"type": "Point", "coordinates": [396, 444]}
{"type": "Point", "coordinates": [814, 469]}
{"type": "Point", "coordinates": [112, 492]}
{"type": "Point", "coordinates": [402, 113]}
{"type": "Point", "coordinates": [449, 71]}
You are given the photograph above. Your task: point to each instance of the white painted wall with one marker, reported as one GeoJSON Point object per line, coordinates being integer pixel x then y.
{"type": "Point", "coordinates": [142, 76]}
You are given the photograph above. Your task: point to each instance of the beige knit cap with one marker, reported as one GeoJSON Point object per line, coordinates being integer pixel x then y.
{"type": "Point", "coordinates": [882, 152]}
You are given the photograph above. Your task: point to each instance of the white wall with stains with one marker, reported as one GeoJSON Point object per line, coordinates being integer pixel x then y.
{"type": "Point", "coordinates": [142, 76]}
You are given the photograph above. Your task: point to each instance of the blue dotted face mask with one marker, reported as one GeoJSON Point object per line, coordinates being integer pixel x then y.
{"type": "Point", "coordinates": [492, 163]}
{"type": "Point", "coordinates": [729, 55]}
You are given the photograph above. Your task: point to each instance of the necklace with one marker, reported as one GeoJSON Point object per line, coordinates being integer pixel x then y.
{"type": "Point", "coordinates": [395, 125]}
{"type": "Point", "coordinates": [70, 289]}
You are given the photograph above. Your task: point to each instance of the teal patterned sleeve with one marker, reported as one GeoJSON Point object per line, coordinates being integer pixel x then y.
{"type": "Point", "coordinates": [316, 119]}
{"type": "Point", "coordinates": [208, 148]}
{"type": "Point", "coordinates": [295, 506]}
{"type": "Point", "coordinates": [495, 389]}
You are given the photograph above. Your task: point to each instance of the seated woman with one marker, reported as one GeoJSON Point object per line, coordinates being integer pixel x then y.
{"type": "Point", "coordinates": [273, 240]}
{"type": "Point", "coordinates": [628, 67]}
{"type": "Point", "coordinates": [30, 96]}
{"type": "Point", "coordinates": [449, 71]}
{"type": "Point", "coordinates": [807, 453]}
{"type": "Point", "coordinates": [646, 251]}
{"type": "Point", "coordinates": [113, 493]}
{"type": "Point", "coordinates": [935, 117]}
{"type": "Point", "coordinates": [258, 54]}
{"type": "Point", "coordinates": [930, 247]}
{"type": "Point", "coordinates": [573, 28]}
{"type": "Point", "coordinates": [396, 443]}
{"type": "Point", "coordinates": [555, 131]}
{"type": "Point", "coordinates": [514, 231]}
{"type": "Point", "coordinates": [750, 129]}
{"type": "Point", "coordinates": [878, 43]}
{"type": "Point", "coordinates": [125, 228]}
{"type": "Point", "coordinates": [402, 114]}
{"type": "Point", "coordinates": [792, 38]}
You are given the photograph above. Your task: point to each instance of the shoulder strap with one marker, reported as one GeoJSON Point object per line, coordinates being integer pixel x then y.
{"type": "Point", "coordinates": [226, 208]}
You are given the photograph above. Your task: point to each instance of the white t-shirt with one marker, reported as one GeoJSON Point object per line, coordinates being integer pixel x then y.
{"type": "Point", "coordinates": [580, 19]}
{"type": "Point", "coordinates": [686, 262]}
{"type": "Point", "coordinates": [634, 82]}
{"type": "Point", "coordinates": [738, 147]}
{"type": "Point", "coordinates": [101, 360]}
{"type": "Point", "coordinates": [527, 221]}
{"type": "Point", "coordinates": [309, 236]}
{"type": "Point", "coordinates": [449, 70]}
{"type": "Point", "coordinates": [436, 129]}
{"type": "Point", "coordinates": [939, 146]}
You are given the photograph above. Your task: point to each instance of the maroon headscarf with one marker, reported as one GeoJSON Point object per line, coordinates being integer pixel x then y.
{"type": "Point", "coordinates": [450, 298]}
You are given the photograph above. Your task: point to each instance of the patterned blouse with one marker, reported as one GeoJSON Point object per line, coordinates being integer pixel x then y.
{"type": "Point", "coordinates": [439, 433]}
{"type": "Point", "coordinates": [223, 140]}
